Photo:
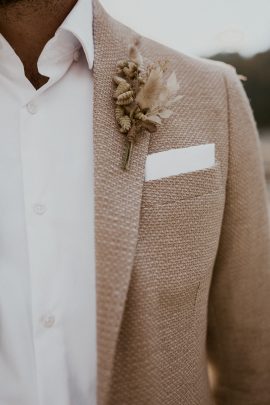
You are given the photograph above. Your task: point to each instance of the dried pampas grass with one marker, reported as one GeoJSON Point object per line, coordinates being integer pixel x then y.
{"type": "Point", "coordinates": [151, 90]}
{"type": "Point", "coordinates": [143, 96]}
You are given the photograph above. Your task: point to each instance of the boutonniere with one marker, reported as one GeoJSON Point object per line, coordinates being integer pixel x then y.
{"type": "Point", "coordinates": [143, 97]}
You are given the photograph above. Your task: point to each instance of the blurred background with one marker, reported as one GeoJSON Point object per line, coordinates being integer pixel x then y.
{"type": "Point", "coordinates": [233, 31]}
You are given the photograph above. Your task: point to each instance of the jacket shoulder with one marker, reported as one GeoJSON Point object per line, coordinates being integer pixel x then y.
{"type": "Point", "coordinates": [186, 64]}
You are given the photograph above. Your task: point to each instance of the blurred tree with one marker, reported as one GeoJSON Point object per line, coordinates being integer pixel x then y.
{"type": "Point", "coordinates": [257, 71]}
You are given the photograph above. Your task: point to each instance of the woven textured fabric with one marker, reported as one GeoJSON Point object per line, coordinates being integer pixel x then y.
{"type": "Point", "coordinates": [182, 263]}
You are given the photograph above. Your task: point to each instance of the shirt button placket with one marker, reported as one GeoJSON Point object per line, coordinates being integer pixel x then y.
{"type": "Point", "coordinates": [32, 108]}
{"type": "Point", "coordinates": [39, 209]}
{"type": "Point", "coordinates": [48, 321]}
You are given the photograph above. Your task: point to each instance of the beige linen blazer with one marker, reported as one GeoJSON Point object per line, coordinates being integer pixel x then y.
{"type": "Point", "coordinates": [182, 263]}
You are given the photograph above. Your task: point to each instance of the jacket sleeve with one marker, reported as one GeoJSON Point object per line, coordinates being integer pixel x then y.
{"type": "Point", "coordinates": [239, 302]}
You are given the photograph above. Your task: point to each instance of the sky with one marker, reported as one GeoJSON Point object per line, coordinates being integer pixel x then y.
{"type": "Point", "coordinates": [199, 27]}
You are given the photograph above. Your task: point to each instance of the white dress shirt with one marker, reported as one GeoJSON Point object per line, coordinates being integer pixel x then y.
{"type": "Point", "coordinates": [47, 272]}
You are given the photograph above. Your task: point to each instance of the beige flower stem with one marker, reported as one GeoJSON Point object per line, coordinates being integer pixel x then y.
{"type": "Point", "coordinates": [131, 138]}
{"type": "Point", "coordinates": [128, 154]}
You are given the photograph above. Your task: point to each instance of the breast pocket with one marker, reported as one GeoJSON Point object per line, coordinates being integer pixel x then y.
{"type": "Point", "coordinates": [180, 223]}
{"type": "Point", "coordinates": [174, 189]}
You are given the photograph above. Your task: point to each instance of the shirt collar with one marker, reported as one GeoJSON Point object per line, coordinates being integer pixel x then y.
{"type": "Point", "coordinates": [79, 23]}
{"type": "Point", "coordinates": [75, 32]}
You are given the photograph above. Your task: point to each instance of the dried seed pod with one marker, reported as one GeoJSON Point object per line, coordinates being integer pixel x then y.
{"type": "Point", "coordinates": [123, 87]}
{"type": "Point", "coordinates": [119, 112]}
{"type": "Point", "coordinates": [140, 116]}
{"type": "Point", "coordinates": [132, 66]}
{"type": "Point", "coordinates": [142, 80]}
{"type": "Point", "coordinates": [125, 123]}
{"type": "Point", "coordinates": [131, 70]}
{"type": "Point", "coordinates": [128, 73]}
{"type": "Point", "coordinates": [118, 80]}
{"type": "Point", "coordinates": [125, 102]}
{"type": "Point", "coordinates": [125, 98]}
{"type": "Point", "coordinates": [122, 63]}
{"type": "Point", "coordinates": [125, 95]}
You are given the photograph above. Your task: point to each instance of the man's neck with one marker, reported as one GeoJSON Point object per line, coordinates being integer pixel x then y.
{"type": "Point", "coordinates": [28, 25]}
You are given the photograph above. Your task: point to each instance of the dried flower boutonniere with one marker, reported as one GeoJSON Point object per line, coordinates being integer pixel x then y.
{"type": "Point", "coordinates": [143, 97]}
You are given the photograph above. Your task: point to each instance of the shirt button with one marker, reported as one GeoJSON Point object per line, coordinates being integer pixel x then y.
{"type": "Point", "coordinates": [32, 108]}
{"type": "Point", "coordinates": [76, 56]}
{"type": "Point", "coordinates": [39, 209]}
{"type": "Point", "coordinates": [48, 321]}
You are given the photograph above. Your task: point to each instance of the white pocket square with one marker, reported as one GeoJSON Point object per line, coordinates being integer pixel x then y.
{"type": "Point", "coordinates": [178, 161]}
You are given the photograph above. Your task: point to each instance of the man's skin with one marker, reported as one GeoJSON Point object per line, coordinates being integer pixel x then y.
{"type": "Point", "coordinates": [28, 25]}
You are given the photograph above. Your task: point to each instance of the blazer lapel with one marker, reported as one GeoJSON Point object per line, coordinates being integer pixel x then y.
{"type": "Point", "coordinates": [117, 196]}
